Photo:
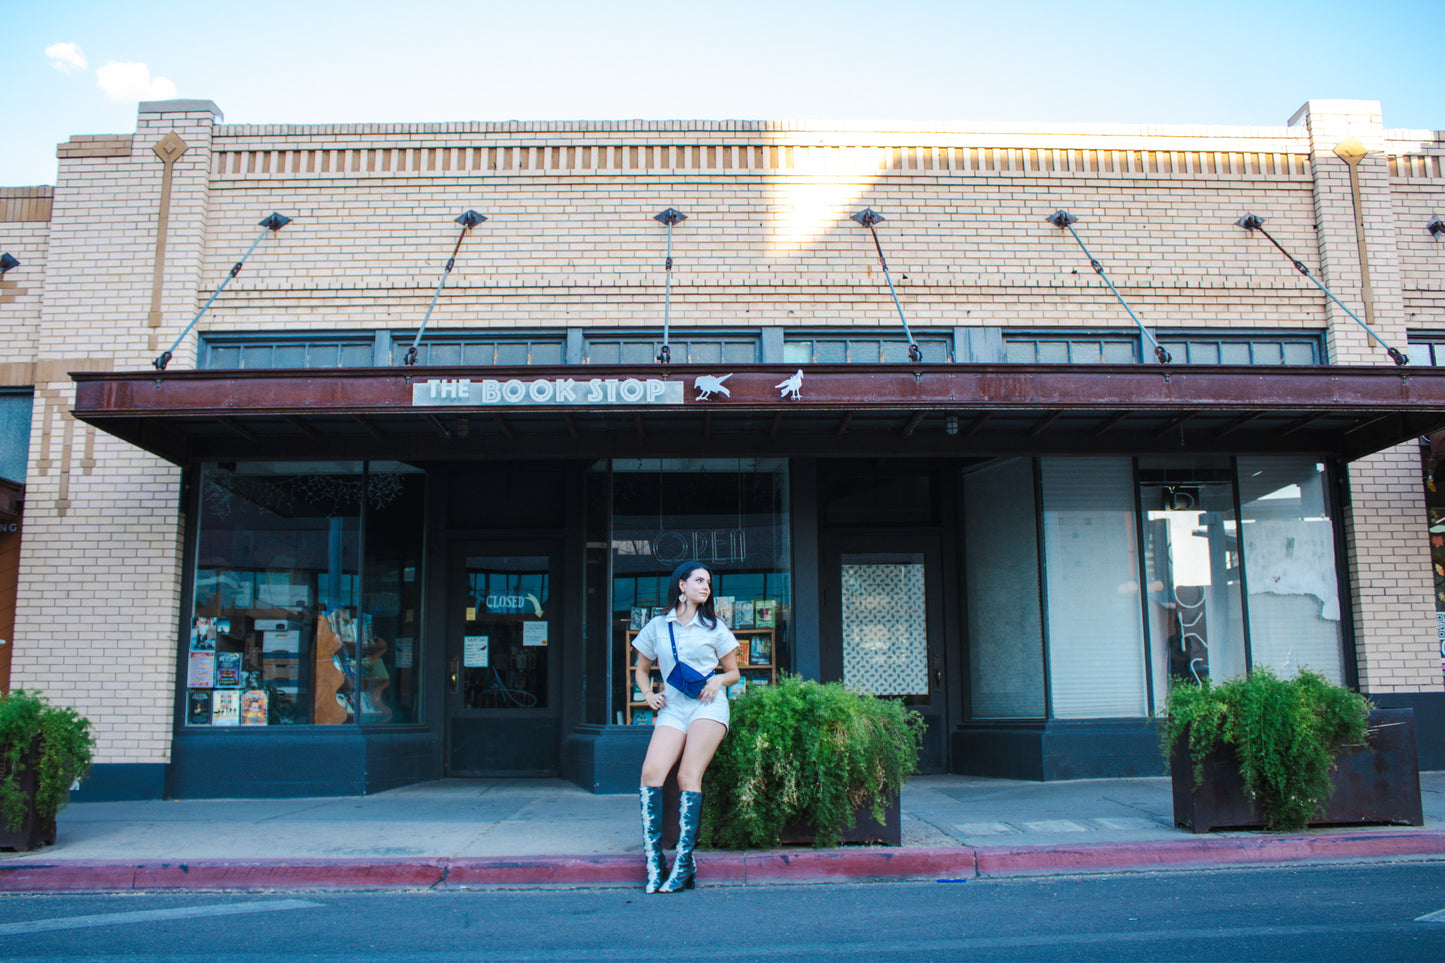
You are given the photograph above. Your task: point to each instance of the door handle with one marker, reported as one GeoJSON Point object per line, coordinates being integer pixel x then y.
{"type": "Point", "coordinates": [938, 678]}
{"type": "Point", "coordinates": [453, 674]}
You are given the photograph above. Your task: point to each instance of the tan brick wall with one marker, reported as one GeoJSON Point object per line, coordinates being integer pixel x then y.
{"type": "Point", "coordinates": [571, 238]}
{"type": "Point", "coordinates": [20, 295]}
{"type": "Point", "coordinates": [1391, 583]}
{"type": "Point", "coordinates": [101, 559]}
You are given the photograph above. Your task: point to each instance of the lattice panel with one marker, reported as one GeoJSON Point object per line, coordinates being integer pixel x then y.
{"type": "Point", "coordinates": [885, 629]}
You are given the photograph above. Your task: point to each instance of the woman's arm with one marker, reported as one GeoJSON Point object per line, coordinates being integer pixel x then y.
{"type": "Point", "coordinates": [642, 675]}
{"type": "Point", "coordinates": [730, 674]}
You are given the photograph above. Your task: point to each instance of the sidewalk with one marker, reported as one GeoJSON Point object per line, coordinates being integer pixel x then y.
{"type": "Point", "coordinates": [534, 832]}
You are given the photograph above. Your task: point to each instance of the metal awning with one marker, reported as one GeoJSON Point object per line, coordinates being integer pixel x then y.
{"type": "Point", "coordinates": [967, 410]}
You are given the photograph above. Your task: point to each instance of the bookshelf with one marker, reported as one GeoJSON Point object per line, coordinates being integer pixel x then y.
{"type": "Point", "coordinates": [759, 642]}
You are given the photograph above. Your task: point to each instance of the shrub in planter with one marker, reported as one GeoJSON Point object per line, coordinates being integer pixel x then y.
{"type": "Point", "coordinates": [44, 749]}
{"type": "Point", "coordinates": [1284, 733]}
{"type": "Point", "coordinates": [806, 752]}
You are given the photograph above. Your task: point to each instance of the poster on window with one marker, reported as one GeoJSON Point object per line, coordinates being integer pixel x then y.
{"type": "Point", "coordinates": [228, 670]}
{"type": "Point", "coordinates": [534, 633]}
{"type": "Point", "coordinates": [476, 651]}
{"type": "Point", "coordinates": [226, 707]}
{"type": "Point", "coordinates": [201, 670]}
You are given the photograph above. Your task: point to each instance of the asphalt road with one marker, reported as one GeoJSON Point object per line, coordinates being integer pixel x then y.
{"type": "Point", "coordinates": [1381, 912]}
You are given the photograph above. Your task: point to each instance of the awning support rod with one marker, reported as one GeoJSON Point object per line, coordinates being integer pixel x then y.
{"type": "Point", "coordinates": [273, 222]}
{"type": "Point", "coordinates": [1065, 220]}
{"type": "Point", "coordinates": [669, 217]}
{"type": "Point", "coordinates": [868, 218]}
{"type": "Point", "coordinates": [468, 220]}
{"type": "Point", "coordinates": [1252, 223]}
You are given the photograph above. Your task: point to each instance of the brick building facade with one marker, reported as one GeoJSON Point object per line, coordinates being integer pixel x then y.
{"type": "Point", "coordinates": [886, 474]}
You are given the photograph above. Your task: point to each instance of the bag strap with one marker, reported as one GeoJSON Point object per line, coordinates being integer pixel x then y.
{"type": "Point", "coordinates": [675, 659]}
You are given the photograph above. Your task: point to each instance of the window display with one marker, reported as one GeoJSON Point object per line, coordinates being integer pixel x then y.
{"type": "Point", "coordinates": [294, 621]}
{"type": "Point", "coordinates": [728, 513]}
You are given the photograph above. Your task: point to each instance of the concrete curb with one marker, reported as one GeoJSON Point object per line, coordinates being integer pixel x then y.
{"type": "Point", "coordinates": [736, 869]}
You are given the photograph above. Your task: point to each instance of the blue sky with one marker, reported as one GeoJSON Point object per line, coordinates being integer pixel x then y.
{"type": "Point", "coordinates": [321, 61]}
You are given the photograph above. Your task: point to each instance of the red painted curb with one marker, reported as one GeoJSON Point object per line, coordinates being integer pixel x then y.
{"type": "Point", "coordinates": [1228, 851]}
{"type": "Point", "coordinates": [311, 874]}
{"type": "Point", "coordinates": [512, 872]}
{"type": "Point", "coordinates": [65, 877]}
{"type": "Point", "coordinates": [720, 868]}
{"type": "Point", "coordinates": [868, 863]}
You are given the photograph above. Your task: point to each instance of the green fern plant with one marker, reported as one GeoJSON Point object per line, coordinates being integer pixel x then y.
{"type": "Point", "coordinates": [65, 746]}
{"type": "Point", "coordinates": [809, 752]}
{"type": "Point", "coordinates": [1284, 732]}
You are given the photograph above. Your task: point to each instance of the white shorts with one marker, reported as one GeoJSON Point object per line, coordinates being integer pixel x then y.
{"type": "Point", "coordinates": [679, 711]}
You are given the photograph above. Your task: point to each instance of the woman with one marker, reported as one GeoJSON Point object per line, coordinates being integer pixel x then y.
{"type": "Point", "coordinates": [685, 728]}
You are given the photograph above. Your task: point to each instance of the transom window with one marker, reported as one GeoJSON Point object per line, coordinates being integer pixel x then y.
{"type": "Point", "coordinates": [445, 351]}
{"type": "Point", "coordinates": [286, 353]}
{"type": "Point", "coordinates": [643, 350]}
{"type": "Point", "coordinates": [807, 349]}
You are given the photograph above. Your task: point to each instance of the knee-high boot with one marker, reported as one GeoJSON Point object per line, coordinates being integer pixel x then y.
{"type": "Point", "coordinates": [684, 868]}
{"type": "Point", "coordinates": [652, 836]}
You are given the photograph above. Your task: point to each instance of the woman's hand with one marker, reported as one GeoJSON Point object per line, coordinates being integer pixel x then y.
{"type": "Point", "coordinates": [655, 700]}
{"type": "Point", "coordinates": [709, 692]}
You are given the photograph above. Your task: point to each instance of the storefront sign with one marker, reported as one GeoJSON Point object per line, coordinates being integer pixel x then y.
{"type": "Point", "coordinates": [591, 392]}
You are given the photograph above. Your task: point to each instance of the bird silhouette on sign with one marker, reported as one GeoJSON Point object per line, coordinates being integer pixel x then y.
{"type": "Point", "coordinates": [706, 385]}
{"type": "Point", "coordinates": [792, 387]}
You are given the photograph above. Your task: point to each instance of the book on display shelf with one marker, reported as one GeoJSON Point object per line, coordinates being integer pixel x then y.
{"type": "Point", "coordinates": [765, 613]}
{"type": "Point", "coordinates": [760, 650]}
{"type": "Point", "coordinates": [743, 614]}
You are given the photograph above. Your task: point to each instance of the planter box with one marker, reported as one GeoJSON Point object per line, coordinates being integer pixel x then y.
{"type": "Point", "coordinates": [34, 832]}
{"type": "Point", "coordinates": [865, 830]}
{"type": "Point", "coordinates": [1378, 782]}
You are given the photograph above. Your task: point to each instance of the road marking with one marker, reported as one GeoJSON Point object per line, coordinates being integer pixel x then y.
{"type": "Point", "coordinates": [151, 916]}
{"type": "Point", "coordinates": [1436, 917]}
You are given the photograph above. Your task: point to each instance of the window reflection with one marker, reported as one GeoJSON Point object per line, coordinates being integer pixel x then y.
{"type": "Point", "coordinates": [281, 633]}
{"type": "Point", "coordinates": [1191, 558]}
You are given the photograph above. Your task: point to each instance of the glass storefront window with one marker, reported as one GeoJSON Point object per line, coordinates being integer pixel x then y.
{"type": "Point", "coordinates": [391, 594]}
{"type": "Point", "coordinates": [1191, 570]}
{"type": "Point", "coordinates": [1095, 632]}
{"type": "Point", "coordinates": [1289, 566]}
{"type": "Point", "coordinates": [729, 513]}
{"type": "Point", "coordinates": [281, 632]}
{"type": "Point", "coordinates": [1001, 583]}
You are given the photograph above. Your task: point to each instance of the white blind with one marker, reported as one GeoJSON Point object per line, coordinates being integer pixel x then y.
{"type": "Point", "coordinates": [1091, 570]}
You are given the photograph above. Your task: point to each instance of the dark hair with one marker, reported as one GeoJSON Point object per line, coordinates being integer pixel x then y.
{"type": "Point", "coordinates": [705, 611]}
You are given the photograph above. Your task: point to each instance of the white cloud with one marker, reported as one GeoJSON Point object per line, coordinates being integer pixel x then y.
{"type": "Point", "coordinates": [127, 82]}
{"type": "Point", "coordinates": [65, 57]}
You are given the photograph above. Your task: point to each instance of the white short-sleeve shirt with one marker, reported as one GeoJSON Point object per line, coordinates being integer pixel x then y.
{"type": "Point", "coordinates": [699, 646]}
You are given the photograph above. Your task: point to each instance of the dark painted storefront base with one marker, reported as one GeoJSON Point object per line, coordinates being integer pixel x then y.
{"type": "Point", "coordinates": [339, 761]}
{"type": "Point", "coordinates": [122, 782]}
{"type": "Point", "coordinates": [1059, 749]}
{"type": "Point", "coordinates": [605, 759]}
